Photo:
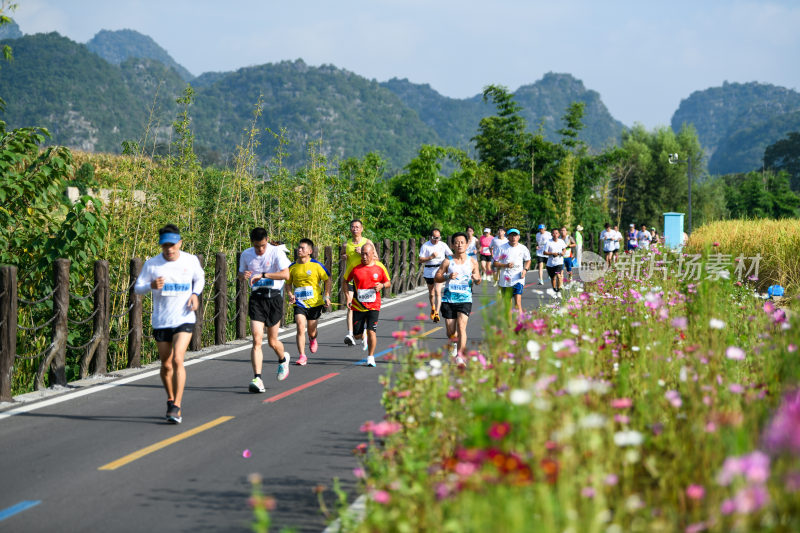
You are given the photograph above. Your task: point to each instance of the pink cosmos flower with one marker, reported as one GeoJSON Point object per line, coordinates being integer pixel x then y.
{"type": "Point", "coordinates": [422, 316]}
{"type": "Point", "coordinates": [695, 492]}
{"type": "Point", "coordinates": [674, 398]}
{"type": "Point", "coordinates": [420, 305]}
{"type": "Point", "coordinates": [783, 431]}
{"type": "Point", "coordinates": [697, 527]}
{"type": "Point", "coordinates": [498, 430]}
{"type": "Point", "coordinates": [381, 496]}
{"type": "Point", "coordinates": [587, 492]}
{"type": "Point", "coordinates": [453, 394]}
{"type": "Point", "coordinates": [736, 388]}
{"type": "Point", "coordinates": [400, 334]}
{"type": "Point", "coordinates": [753, 466]}
{"type": "Point", "coordinates": [246, 454]}
{"type": "Point", "coordinates": [680, 322]}
{"type": "Point", "coordinates": [735, 353]}
{"type": "Point", "coordinates": [359, 473]}
{"type": "Point", "coordinates": [611, 480]}
{"type": "Point", "coordinates": [621, 403]}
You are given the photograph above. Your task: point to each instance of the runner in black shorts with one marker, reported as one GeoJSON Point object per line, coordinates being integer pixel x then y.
{"type": "Point", "coordinates": [306, 279]}
{"type": "Point", "coordinates": [176, 279]}
{"type": "Point", "coordinates": [266, 267]}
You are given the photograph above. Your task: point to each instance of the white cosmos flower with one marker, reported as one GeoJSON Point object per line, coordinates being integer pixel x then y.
{"type": "Point", "coordinates": [573, 329]}
{"type": "Point", "coordinates": [592, 421]}
{"type": "Point", "coordinates": [520, 397]}
{"type": "Point", "coordinates": [635, 348]}
{"type": "Point", "coordinates": [435, 363]}
{"type": "Point", "coordinates": [533, 348]}
{"type": "Point", "coordinates": [541, 404]}
{"type": "Point", "coordinates": [716, 323]}
{"type": "Point", "coordinates": [578, 386]}
{"type": "Point", "coordinates": [628, 438]}
{"type": "Point", "coordinates": [558, 346]}
{"type": "Point", "coordinates": [421, 374]}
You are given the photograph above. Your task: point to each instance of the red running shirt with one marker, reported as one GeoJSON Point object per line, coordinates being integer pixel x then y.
{"type": "Point", "coordinates": [364, 278]}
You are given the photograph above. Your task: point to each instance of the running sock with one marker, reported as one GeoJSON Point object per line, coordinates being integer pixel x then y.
{"type": "Point", "coordinates": [257, 376]}
{"type": "Point", "coordinates": [281, 361]}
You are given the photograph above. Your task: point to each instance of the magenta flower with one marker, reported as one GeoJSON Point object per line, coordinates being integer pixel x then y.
{"type": "Point", "coordinates": [420, 305]}
{"type": "Point", "coordinates": [736, 388]}
{"type": "Point", "coordinates": [695, 492]}
{"type": "Point", "coordinates": [783, 431]}
{"type": "Point", "coordinates": [498, 430]}
{"type": "Point", "coordinates": [680, 322]}
{"type": "Point", "coordinates": [674, 398]}
{"type": "Point", "coordinates": [750, 499]}
{"type": "Point", "coordinates": [587, 492]}
{"type": "Point", "coordinates": [359, 473]}
{"type": "Point", "coordinates": [246, 454]}
{"type": "Point", "coordinates": [453, 394]}
{"type": "Point", "coordinates": [611, 480]}
{"type": "Point", "coordinates": [754, 467]}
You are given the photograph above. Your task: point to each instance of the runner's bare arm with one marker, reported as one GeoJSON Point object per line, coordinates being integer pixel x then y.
{"type": "Point", "coordinates": [439, 276]}
{"type": "Point", "coordinates": [280, 275]}
{"type": "Point", "coordinates": [476, 273]}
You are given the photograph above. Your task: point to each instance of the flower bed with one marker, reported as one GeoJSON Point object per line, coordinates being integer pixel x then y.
{"type": "Point", "coordinates": [630, 406]}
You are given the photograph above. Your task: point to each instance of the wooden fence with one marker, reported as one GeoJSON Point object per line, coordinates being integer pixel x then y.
{"type": "Point", "coordinates": [229, 308]}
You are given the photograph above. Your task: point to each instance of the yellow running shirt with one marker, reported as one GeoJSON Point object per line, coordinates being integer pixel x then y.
{"type": "Point", "coordinates": [353, 257]}
{"type": "Point", "coordinates": [307, 280]}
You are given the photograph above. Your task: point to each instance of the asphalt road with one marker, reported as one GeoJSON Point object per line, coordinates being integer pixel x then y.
{"type": "Point", "coordinates": [67, 465]}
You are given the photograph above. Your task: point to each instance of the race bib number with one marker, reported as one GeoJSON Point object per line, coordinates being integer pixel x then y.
{"type": "Point", "coordinates": [366, 295]}
{"type": "Point", "coordinates": [172, 289]}
{"type": "Point", "coordinates": [459, 286]}
{"type": "Point", "coordinates": [302, 294]}
{"type": "Point", "coordinates": [485, 250]}
{"type": "Point", "coordinates": [263, 283]}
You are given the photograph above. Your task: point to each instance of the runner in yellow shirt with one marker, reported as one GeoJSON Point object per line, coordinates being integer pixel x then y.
{"type": "Point", "coordinates": [306, 279]}
{"type": "Point", "coordinates": [353, 251]}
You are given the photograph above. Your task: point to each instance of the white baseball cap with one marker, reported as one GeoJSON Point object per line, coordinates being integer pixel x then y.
{"type": "Point", "coordinates": [487, 230]}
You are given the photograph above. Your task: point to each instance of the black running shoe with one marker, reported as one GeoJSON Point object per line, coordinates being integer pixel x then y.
{"type": "Point", "coordinates": [174, 414]}
{"type": "Point", "coordinates": [170, 404]}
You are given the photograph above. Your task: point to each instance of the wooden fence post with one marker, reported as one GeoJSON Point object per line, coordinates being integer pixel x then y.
{"type": "Point", "coordinates": [328, 262]}
{"type": "Point", "coordinates": [58, 370]}
{"type": "Point", "coordinates": [342, 282]}
{"type": "Point", "coordinates": [221, 300]}
{"type": "Point", "coordinates": [102, 320]}
{"type": "Point", "coordinates": [395, 267]}
{"type": "Point", "coordinates": [387, 245]}
{"type": "Point", "coordinates": [528, 240]}
{"type": "Point", "coordinates": [242, 287]}
{"type": "Point", "coordinates": [8, 329]}
{"type": "Point", "coordinates": [196, 344]}
{"type": "Point", "coordinates": [411, 278]}
{"type": "Point", "coordinates": [135, 326]}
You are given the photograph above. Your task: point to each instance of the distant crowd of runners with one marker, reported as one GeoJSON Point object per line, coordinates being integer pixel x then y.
{"type": "Point", "coordinates": [176, 280]}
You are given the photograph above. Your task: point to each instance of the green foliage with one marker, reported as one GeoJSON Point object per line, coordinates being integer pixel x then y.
{"type": "Point", "coordinates": [785, 155]}
{"type": "Point", "coordinates": [501, 139]}
{"type": "Point", "coordinates": [760, 195]}
{"type": "Point", "coordinates": [117, 46]}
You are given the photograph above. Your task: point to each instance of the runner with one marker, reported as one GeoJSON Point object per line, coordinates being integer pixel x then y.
{"type": "Point", "coordinates": [369, 279]}
{"type": "Point", "coordinates": [306, 278]}
{"type": "Point", "coordinates": [542, 238]}
{"type": "Point", "coordinates": [569, 259]}
{"type": "Point", "coordinates": [485, 243]}
{"type": "Point", "coordinates": [617, 243]}
{"type": "Point", "coordinates": [633, 242]}
{"type": "Point", "coordinates": [353, 251]}
{"type": "Point", "coordinates": [645, 238]}
{"type": "Point", "coordinates": [176, 279]}
{"type": "Point", "coordinates": [607, 238]}
{"type": "Point", "coordinates": [555, 262]}
{"type": "Point", "coordinates": [578, 246]}
{"type": "Point", "coordinates": [472, 243]}
{"type": "Point", "coordinates": [431, 254]}
{"type": "Point", "coordinates": [514, 259]}
{"type": "Point", "coordinates": [458, 274]}
{"type": "Point", "coordinates": [266, 267]}
{"type": "Point", "coordinates": [499, 241]}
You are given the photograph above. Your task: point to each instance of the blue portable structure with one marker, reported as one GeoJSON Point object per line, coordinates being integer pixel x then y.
{"type": "Point", "coordinates": [673, 230]}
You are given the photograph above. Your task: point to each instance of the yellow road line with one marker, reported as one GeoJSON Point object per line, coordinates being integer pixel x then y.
{"type": "Point", "coordinates": [163, 444]}
{"type": "Point", "coordinates": [434, 330]}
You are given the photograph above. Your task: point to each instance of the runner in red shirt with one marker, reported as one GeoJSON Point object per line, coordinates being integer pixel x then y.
{"type": "Point", "coordinates": [369, 279]}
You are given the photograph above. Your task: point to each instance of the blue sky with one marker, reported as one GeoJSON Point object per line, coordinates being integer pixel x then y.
{"type": "Point", "coordinates": [643, 57]}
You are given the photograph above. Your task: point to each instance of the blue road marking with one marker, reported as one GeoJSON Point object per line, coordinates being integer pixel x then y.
{"type": "Point", "coordinates": [14, 509]}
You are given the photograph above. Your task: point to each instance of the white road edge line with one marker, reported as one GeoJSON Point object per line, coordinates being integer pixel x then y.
{"type": "Point", "coordinates": [33, 406]}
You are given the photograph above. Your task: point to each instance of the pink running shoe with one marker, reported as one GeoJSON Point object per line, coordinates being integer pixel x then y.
{"type": "Point", "coordinates": [302, 360]}
{"type": "Point", "coordinates": [313, 345]}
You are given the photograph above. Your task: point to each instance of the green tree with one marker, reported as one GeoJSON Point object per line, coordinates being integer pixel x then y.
{"type": "Point", "coordinates": [501, 140]}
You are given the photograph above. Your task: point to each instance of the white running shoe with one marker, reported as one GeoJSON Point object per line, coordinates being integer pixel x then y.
{"type": "Point", "coordinates": [371, 360]}
{"type": "Point", "coordinates": [460, 362]}
{"type": "Point", "coordinates": [349, 340]}
{"type": "Point", "coordinates": [256, 385]}
{"type": "Point", "coordinates": [283, 368]}
{"type": "Point", "coordinates": [364, 342]}
{"type": "Point", "coordinates": [453, 351]}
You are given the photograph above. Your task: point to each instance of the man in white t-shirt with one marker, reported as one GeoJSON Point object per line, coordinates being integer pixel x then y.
{"type": "Point", "coordinates": [431, 255]}
{"type": "Point", "coordinates": [512, 263]}
{"type": "Point", "coordinates": [266, 267]}
{"type": "Point", "coordinates": [555, 260]}
{"type": "Point", "coordinates": [618, 239]}
{"type": "Point", "coordinates": [542, 238]}
{"type": "Point", "coordinates": [645, 238]}
{"type": "Point", "coordinates": [497, 242]}
{"type": "Point", "coordinates": [176, 280]}
{"type": "Point", "coordinates": [608, 241]}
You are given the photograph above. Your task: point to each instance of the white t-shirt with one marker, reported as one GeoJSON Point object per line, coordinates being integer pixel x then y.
{"type": "Point", "coordinates": [541, 240]}
{"type": "Point", "coordinates": [645, 237]}
{"type": "Point", "coordinates": [440, 249]}
{"type": "Point", "coordinates": [182, 278]}
{"type": "Point", "coordinates": [498, 243]}
{"type": "Point", "coordinates": [516, 255]}
{"type": "Point", "coordinates": [555, 246]}
{"type": "Point", "coordinates": [274, 260]}
{"type": "Point", "coordinates": [607, 237]}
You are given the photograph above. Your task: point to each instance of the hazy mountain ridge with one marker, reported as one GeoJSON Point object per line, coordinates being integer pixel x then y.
{"type": "Point", "coordinates": [117, 46]}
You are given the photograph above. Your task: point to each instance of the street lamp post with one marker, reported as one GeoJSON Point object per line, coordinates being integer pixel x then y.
{"type": "Point", "coordinates": [674, 160]}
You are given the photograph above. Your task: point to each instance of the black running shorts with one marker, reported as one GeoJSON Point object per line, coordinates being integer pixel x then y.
{"type": "Point", "coordinates": [311, 313]}
{"type": "Point", "coordinates": [451, 310]}
{"type": "Point", "coordinates": [266, 309]}
{"type": "Point", "coordinates": [166, 334]}
{"type": "Point", "coordinates": [553, 270]}
{"type": "Point", "coordinates": [364, 319]}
